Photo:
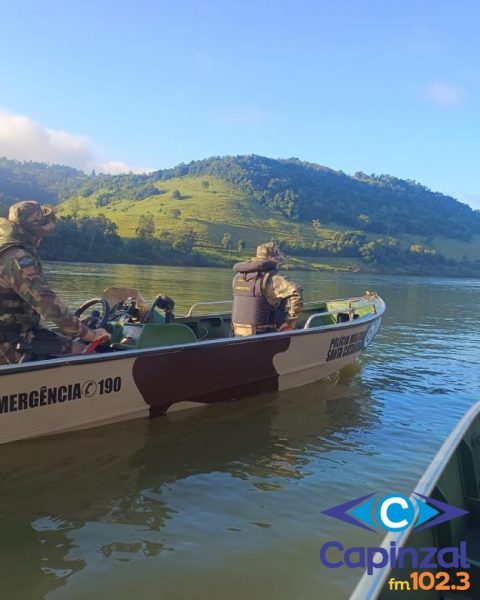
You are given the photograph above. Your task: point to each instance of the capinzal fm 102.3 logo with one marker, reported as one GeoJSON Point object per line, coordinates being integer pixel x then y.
{"type": "Point", "coordinates": [394, 512]}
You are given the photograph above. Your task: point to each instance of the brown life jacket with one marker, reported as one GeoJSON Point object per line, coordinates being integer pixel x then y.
{"type": "Point", "coordinates": [249, 304]}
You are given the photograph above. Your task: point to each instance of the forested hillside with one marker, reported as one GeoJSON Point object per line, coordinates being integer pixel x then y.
{"type": "Point", "coordinates": [45, 183]}
{"type": "Point", "coordinates": [305, 191]}
{"type": "Point", "coordinates": [216, 210]}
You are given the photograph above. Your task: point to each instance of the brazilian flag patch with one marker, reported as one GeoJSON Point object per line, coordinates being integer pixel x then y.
{"type": "Point", "coordinates": [25, 262]}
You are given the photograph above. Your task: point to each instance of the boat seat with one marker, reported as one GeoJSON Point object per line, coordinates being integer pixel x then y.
{"type": "Point", "coordinates": [209, 327]}
{"type": "Point", "coordinates": [155, 334]}
{"type": "Point", "coordinates": [215, 327]}
{"type": "Point", "coordinates": [127, 337]}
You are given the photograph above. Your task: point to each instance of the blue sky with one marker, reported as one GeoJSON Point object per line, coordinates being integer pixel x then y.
{"type": "Point", "coordinates": [371, 86]}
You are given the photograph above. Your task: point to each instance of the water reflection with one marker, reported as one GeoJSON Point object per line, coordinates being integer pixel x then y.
{"type": "Point", "coordinates": [107, 494]}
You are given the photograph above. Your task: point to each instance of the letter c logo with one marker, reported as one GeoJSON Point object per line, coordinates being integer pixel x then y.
{"type": "Point", "coordinates": [323, 554]}
{"type": "Point", "coordinates": [395, 513]}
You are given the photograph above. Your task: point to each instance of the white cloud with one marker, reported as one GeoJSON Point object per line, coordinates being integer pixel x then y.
{"type": "Point", "coordinates": [445, 94]}
{"type": "Point", "coordinates": [22, 138]}
{"type": "Point", "coordinates": [115, 167]}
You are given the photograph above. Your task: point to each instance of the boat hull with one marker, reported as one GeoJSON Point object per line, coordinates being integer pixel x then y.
{"type": "Point", "coordinates": [59, 395]}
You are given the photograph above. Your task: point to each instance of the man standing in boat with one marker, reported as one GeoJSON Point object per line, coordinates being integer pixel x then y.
{"type": "Point", "coordinates": [25, 295]}
{"type": "Point", "coordinates": [263, 300]}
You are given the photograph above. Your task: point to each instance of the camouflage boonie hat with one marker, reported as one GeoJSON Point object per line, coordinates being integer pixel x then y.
{"type": "Point", "coordinates": [269, 251]}
{"type": "Point", "coordinates": [34, 217]}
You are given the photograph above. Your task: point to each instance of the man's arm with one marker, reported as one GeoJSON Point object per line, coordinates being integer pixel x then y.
{"type": "Point", "coordinates": [280, 288]}
{"type": "Point", "coordinates": [25, 278]}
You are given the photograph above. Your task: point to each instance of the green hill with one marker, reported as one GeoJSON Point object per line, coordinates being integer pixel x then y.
{"type": "Point", "coordinates": [225, 206]}
{"type": "Point", "coordinates": [212, 211]}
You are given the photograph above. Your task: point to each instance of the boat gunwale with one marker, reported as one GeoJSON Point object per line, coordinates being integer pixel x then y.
{"type": "Point", "coordinates": [79, 360]}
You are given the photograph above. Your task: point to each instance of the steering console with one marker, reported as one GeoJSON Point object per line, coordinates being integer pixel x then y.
{"type": "Point", "coordinates": [96, 319]}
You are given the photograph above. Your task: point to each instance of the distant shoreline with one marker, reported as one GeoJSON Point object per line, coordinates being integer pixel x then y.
{"type": "Point", "coordinates": [287, 267]}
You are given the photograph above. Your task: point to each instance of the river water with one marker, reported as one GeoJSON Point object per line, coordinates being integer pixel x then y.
{"type": "Point", "coordinates": [225, 501]}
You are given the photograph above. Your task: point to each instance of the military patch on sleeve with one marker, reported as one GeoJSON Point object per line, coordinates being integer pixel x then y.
{"type": "Point", "coordinates": [25, 261]}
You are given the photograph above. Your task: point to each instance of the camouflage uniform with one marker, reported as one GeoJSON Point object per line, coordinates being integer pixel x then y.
{"type": "Point", "coordinates": [25, 295]}
{"type": "Point", "coordinates": [277, 290]}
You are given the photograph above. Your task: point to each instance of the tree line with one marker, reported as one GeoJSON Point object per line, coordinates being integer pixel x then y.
{"type": "Point", "coordinates": [96, 239]}
{"type": "Point", "coordinates": [384, 254]}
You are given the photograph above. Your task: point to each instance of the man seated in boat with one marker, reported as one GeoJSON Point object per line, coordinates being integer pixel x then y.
{"type": "Point", "coordinates": [263, 300]}
{"type": "Point", "coordinates": [25, 296]}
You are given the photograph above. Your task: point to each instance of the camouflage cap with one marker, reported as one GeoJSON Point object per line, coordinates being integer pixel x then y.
{"type": "Point", "coordinates": [33, 216]}
{"type": "Point", "coordinates": [269, 251]}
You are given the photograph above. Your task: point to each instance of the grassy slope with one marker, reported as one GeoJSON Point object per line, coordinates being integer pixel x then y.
{"type": "Point", "coordinates": [211, 213]}
{"type": "Point", "coordinates": [457, 249]}
{"type": "Point", "coordinates": [223, 209]}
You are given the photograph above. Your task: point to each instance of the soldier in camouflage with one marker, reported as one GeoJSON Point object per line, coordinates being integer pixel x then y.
{"type": "Point", "coordinates": [25, 296]}
{"type": "Point", "coordinates": [263, 300]}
